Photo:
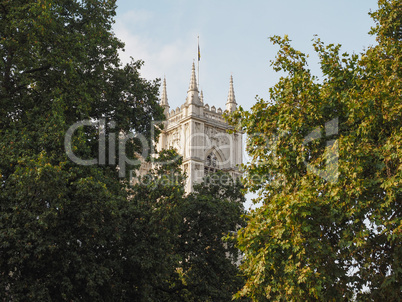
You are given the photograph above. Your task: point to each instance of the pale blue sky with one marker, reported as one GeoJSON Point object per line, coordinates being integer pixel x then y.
{"type": "Point", "coordinates": [233, 40]}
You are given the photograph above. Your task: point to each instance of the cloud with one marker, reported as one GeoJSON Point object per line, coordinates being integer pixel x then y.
{"type": "Point", "coordinates": [162, 56]}
{"type": "Point", "coordinates": [136, 17]}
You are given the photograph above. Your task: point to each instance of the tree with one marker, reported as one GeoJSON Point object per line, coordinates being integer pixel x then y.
{"type": "Point", "coordinates": [209, 263]}
{"type": "Point", "coordinates": [173, 246]}
{"type": "Point", "coordinates": [60, 222]}
{"type": "Point", "coordinates": [327, 168]}
{"type": "Point", "coordinates": [151, 221]}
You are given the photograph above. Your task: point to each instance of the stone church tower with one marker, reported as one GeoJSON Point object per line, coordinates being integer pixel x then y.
{"type": "Point", "coordinates": [200, 134]}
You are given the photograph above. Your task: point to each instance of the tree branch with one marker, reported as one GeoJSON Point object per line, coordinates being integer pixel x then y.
{"type": "Point", "coordinates": [46, 67]}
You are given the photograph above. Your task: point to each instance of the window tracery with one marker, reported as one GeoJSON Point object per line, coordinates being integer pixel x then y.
{"type": "Point", "coordinates": [211, 163]}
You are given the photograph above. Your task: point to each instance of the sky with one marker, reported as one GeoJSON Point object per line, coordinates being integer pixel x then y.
{"type": "Point", "coordinates": [233, 40]}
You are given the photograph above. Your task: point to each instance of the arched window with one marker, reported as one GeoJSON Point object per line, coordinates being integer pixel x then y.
{"type": "Point", "coordinates": [211, 163]}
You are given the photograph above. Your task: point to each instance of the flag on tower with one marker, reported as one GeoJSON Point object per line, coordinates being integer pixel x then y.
{"type": "Point", "coordinates": [199, 53]}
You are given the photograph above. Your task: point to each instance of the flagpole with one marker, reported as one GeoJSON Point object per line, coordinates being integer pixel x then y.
{"type": "Point", "coordinates": [198, 61]}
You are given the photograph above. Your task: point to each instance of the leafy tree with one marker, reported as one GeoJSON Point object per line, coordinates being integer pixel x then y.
{"type": "Point", "coordinates": [327, 168]}
{"type": "Point", "coordinates": [173, 246]}
{"type": "Point", "coordinates": [60, 223]}
{"type": "Point", "coordinates": [209, 267]}
{"type": "Point", "coordinates": [151, 222]}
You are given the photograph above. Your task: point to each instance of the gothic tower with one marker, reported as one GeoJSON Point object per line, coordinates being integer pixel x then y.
{"type": "Point", "coordinates": [200, 134]}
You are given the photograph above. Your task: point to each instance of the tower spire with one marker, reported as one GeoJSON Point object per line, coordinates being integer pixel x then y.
{"type": "Point", "coordinates": [192, 93]}
{"type": "Point", "coordinates": [164, 99]}
{"type": "Point", "coordinates": [193, 81]}
{"type": "Point", "coordinates": [231, 102]}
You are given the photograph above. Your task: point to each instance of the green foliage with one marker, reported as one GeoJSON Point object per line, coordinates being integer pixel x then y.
{"type": "Point", "coordinates": [326, 163]}
{"type": "Point", "coordinates": [212, 212]}
{"type": "Point", "coordinates": [151, 222]}
{"type": "Point", "coordinates": [61, 223]}
{"type": "Point", "coordinates": [173, 246]}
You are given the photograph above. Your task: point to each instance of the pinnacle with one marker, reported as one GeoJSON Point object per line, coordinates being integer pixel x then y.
{"type": "Point", "coordinates": [193, 82]}
{"type": "Point", "coordinates": [231, 96]}
{"type": "Point", "coordinates": [164, 99]}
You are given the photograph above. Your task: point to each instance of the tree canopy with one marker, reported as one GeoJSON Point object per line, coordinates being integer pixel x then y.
{"type": "Point", "coordinates": [60, 222]}
{"type": "Point", "coordinates": [210, 259]}
{"type": "Point", "coordinates": [326, 164]}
